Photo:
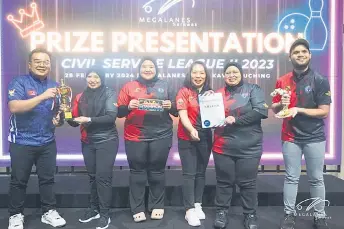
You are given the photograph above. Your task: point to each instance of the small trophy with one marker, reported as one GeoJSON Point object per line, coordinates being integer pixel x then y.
{"type": "Point", "coordinates": [285, 112]}
{"type": "Point", "coordinates": [65, 94]}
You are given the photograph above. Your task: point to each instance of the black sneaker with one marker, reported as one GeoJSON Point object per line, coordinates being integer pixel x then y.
{"type": "Point", "coordinates": [251, 221]}
{"type": "Point", "coordinates": [104, 222]}
{"type": "Point", "coordinates": [89, 215]}
{"type": "Point", "coordinates": [288, 222]}
{"type": "Point", "coordinates": [320, 223]}
{"type": "Point", "coordinates": [221, 219]}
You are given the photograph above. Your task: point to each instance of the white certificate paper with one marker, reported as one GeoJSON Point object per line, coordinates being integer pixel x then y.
{"type": "Point", "coordinates": [212, 110]}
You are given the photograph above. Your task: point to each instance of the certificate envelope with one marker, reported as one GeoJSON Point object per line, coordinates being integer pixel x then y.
{"type": "Point", "coordinates": [212, 110]}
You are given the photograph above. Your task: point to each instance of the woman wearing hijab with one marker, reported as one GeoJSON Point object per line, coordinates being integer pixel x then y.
{"type": "Point", "coordinates": [237, 146]}
{"type": "Point", "coordinates": [148, 138]}
{"type": "Point", "coordinates": [194, 143]}
{"type": "Point", "coordinates": [95, 110]}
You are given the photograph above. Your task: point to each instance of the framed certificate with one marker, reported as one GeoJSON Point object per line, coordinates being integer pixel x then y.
{"type": "Point", "coordinates": [150, 105]}
{"type": "Point", "coordinates": [212, 110]}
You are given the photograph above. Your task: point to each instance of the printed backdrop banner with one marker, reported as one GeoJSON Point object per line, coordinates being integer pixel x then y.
{"type": "Point", "coordinates": [116, 34]}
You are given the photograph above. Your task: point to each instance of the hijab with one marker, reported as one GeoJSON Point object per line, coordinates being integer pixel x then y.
{"type": "Point", "coordinates": [241, 82]}
{"type": "Point", "coordinates": [91, 96]}
{"type": "Point", "coordinates": [148, 83]}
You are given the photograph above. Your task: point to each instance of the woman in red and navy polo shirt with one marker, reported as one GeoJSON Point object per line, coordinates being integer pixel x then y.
{"type": "Point", "coordinates": [194, 143]}
{"type": "Point", "coordinates": [238, 145]}
{"type": "Point", "coordinates": [148, 138]}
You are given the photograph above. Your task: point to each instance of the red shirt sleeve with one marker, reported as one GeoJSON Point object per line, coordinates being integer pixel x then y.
{"type": "Point", "coordinates": [75, 109]}
{"type": "Point", "coordinates": [123, 97]}
{"type": "Point", "coordinates": [182, 99]}
{"type": "Point", "coordinates": [277, 98]}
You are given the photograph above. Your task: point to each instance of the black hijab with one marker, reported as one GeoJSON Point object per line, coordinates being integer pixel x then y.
{"type": "Point", "coordinates": [238, 66]}
{"type": "Point", "coordinates": [148, 83]}
{"type": "Point", "coordinates": [91, 106]}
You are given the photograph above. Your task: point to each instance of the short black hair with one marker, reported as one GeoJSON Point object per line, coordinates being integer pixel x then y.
{"type": "Point", "coordinates": [39, 50]}
{"type": "Point", "coordinates": [187, 80]}
{"type": "Point", "coordinates": [298, 42]}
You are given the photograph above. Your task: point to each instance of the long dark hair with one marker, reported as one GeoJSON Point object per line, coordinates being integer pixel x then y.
{"type": "Point", "coordinates": [207, 83]}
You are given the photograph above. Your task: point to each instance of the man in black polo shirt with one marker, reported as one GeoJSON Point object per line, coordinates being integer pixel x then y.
{"type": "Point", "coordinates": [309, 101]}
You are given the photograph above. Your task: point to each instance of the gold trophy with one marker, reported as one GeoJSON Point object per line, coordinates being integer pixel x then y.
{"type": "Point", "coordinates": [65, 94]}
{"type": "Point", "coordinates": [285, 112]}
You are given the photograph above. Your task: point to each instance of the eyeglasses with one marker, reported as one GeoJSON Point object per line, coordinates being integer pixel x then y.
{"type": "Point", "coordinates": [44, 63]}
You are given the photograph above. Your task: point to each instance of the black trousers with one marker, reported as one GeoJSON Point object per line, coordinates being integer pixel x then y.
{"type": "Point", "coordinates": [194, 157]}
{"type": "Point", "coordinates": [147, 160]}
{"type": "Point", "coordinates": [99, 160]}
{"type": "Point", "coordinates": [243, 172]}
{"type": "Point", "coordinates": [22, 159]}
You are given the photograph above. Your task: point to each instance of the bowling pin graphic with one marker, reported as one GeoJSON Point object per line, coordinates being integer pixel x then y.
{"type": "Point", "coordinates": [316, 31]}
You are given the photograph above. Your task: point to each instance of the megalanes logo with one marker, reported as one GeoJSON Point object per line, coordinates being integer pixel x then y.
{"type": "Point", "coordinates": [156, 13]}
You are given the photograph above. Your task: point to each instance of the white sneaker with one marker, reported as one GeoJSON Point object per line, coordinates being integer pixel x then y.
{"type": "Point", "coordinates": [16, 221]}
{"type": "Point", "coordinates": [199, 212]}
{"type": "Point", "coordinates": [53, 218]}
{"type": "Point", "coordinates": [192, 218]}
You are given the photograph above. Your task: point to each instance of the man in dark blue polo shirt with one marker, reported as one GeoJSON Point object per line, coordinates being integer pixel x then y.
{"type": "Point", "coordinates": [34, 107]}
{"type": "Point", "coordinates": [309, 100]}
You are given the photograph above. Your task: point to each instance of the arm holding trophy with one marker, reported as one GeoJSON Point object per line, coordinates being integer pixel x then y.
{"type": "Point", "coordinates": [280, 108]}
{"type": "Point", "coordinates": [58, 120]}
{"type": "Point", "coordinates": [110, 111]}
{"type": "Point", "coordinates": [75, 111]}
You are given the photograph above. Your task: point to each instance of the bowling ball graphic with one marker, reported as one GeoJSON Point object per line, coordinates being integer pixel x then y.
{"type": "Point", "coordinates": [293, 23]}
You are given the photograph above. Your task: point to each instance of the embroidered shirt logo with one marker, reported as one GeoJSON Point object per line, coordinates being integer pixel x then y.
{"type": "Point", "coordinates": [11, 92]}
{"type": "Point", "coordinates": [180, 101]}
{"type": "Point", "coordinates": [31, 93]}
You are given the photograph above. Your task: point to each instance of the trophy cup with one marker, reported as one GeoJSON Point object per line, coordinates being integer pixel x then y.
{"type": "Point", "coordinates": [285, 112]}
{"type": "Point", "coordinates": [65, 94]}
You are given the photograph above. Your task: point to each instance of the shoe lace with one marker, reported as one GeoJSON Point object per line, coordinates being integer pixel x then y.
{"type": "Point", "coordinates": [16, 219]}
{"type": "Point", "coordinates": [251, 216]}
{"type": "Point", "coordinates": [221, 215]}
{"type": "Point", "coordinates": [54, 214]}
{"type": "Point", "coordinates": [198, 206]}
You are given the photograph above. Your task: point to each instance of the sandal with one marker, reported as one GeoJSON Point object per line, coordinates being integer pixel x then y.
{"type": "Point", "coordinates": [157, 214]}
{"type": "Point", "coordinates": [139, 217]}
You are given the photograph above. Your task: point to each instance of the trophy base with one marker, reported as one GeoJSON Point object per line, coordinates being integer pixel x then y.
{"type": "Point", "coordinates": [68, 115]}
{"type": "Point", "coordinates": [285, 113]}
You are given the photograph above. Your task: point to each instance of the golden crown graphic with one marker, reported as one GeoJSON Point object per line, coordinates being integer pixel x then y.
{"type": "Point", "coordinates": [26, 28]}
